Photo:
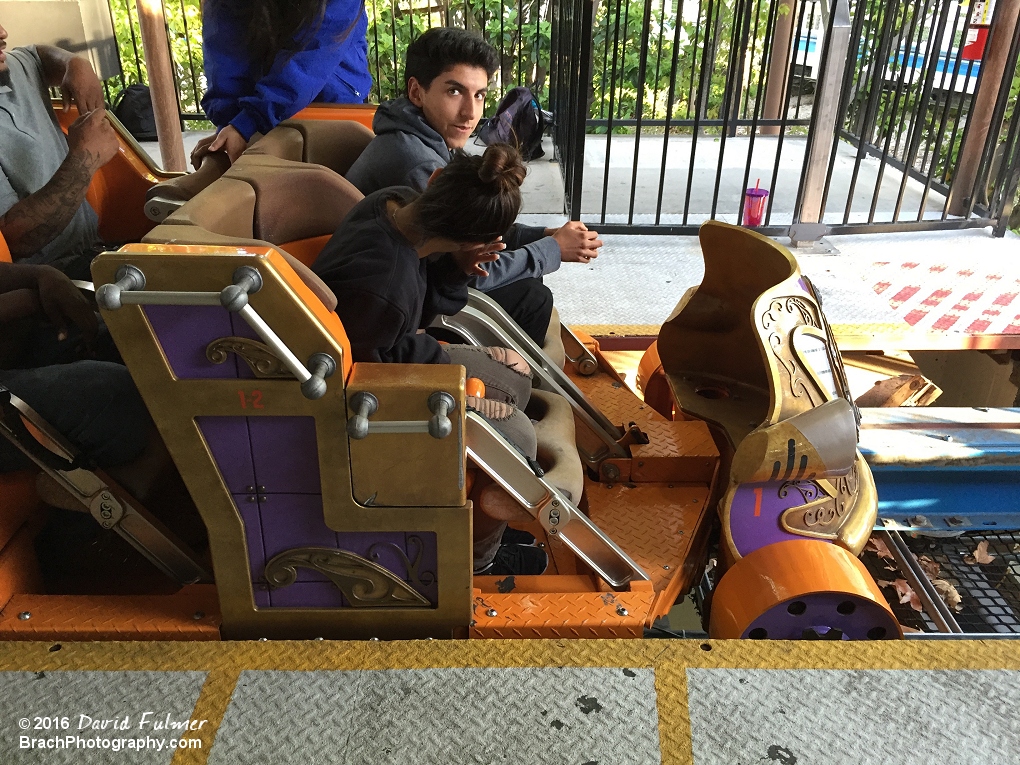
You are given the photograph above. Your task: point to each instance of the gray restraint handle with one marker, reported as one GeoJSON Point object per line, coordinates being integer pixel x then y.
{"type": "Point", "coordinates": [321, 366]}
{"type": "Point", "coordinates": [128, 290]}
{"type": "Point", "coordinates": [364, 404]}
{"type": "Point", "coordinates": [129, 278]}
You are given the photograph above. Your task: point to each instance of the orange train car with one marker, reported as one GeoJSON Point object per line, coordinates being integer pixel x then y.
{"type": "Point", "coordinates": [335, 498]}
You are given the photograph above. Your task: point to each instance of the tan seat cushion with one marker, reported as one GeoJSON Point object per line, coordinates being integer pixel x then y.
{"type": "Point", "coordinates": [294, 200]}
{"type": "Point", "coordinates": [333, 144]}
{"type": "Point", "coordinates": [553, 345]}
{"type": "Point", "coordinates": [557, 451]}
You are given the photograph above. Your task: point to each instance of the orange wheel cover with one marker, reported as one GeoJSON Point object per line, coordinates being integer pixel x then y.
{"type": "Point", "coordinates": [785, 571]}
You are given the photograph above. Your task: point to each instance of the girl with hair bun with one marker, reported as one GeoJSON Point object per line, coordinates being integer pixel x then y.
{"type": "Point", "coordinates": [399, 259]}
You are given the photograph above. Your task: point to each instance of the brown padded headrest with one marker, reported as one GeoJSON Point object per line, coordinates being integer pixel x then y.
{"type": "Point", "coordinates": [226, 207]}
{"type": "Point", "coordinates": [183, 187]}
{"type": "Point", "coordinates": [333, 144]}
{"type": "Point", "coordinates": [282, 142]}
{"type": "Point", "coordinates": [294, 200]}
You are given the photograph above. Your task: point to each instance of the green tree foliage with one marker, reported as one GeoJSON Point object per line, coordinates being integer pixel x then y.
{"type": "Point", "coordinates": [631, 61]}
{"type": "Point", "coordinates": [519, 31]}
{"type": "Point", "coordinates": [184, 27]}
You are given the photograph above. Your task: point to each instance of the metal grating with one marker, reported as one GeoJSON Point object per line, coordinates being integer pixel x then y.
{"type": "Point", "coordinates": [883, 569]}
{"type": "Point", "coordinates": [990, 593]}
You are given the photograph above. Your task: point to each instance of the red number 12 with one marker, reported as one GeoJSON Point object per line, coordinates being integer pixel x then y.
{"type": "Point", "coordinates": [256, 399]}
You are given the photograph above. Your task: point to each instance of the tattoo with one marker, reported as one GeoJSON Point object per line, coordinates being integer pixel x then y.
{"type": "Point", "coordinates": [41, 217]}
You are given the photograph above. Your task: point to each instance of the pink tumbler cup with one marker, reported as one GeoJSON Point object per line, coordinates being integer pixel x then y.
{"type": "Point", "coordinates": [754, 206]}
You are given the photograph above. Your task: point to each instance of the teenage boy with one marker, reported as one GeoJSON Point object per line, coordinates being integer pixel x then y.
{"type": "Point", "coordinates": [447, 76]}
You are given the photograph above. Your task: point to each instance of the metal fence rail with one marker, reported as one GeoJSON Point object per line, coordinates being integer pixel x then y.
{"type": "Point", "coordinates": [851, 113]}
{"type": "Point", "coordinates": [520, 32]}
{"type": "Point", "coordinates": [709, 97]}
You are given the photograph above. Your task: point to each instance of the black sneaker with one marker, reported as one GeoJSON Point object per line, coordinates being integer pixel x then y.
{"type": "Point", "coordinates": [518, 560]}
{"type": "Point", "coordinates": [512, 536]}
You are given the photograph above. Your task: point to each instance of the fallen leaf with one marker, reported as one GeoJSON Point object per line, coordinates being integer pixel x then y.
{"type": "Point", "coordinates": [879, 547]}
{"type": "Point", "coordinates": [980, 555]}
{"type": "Point", "coordinates": [930, 567]}
{"type": "Point", "coordinates": [905, 628]}
{"type": "Point", "coordinates": [948, 593]}
{"type": "Point", "coordinates": [885, 583]}
{"type": "Point", "coordinates": [907, 594]}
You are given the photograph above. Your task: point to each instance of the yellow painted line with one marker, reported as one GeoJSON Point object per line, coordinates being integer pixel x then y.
{"type": "Point", "coordinates": [669, 658]}
{"type": "Point", "coordinates": [621, 330]}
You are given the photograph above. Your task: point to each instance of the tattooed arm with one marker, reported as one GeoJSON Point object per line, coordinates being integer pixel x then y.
{"type": "Point", "coordinates": [74, 76]}
{"type": "Point", "coordinates": [39, 218]}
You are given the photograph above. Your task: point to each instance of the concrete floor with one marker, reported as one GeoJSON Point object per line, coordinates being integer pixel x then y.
{"type": "Point", "coordinates": [728, 160]}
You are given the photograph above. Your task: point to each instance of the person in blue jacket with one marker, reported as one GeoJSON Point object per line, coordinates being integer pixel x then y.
{"type": "Point", "coordinates": [266, 60]}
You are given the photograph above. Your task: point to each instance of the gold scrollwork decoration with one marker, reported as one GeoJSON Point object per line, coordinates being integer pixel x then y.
{"type": "Point", "coordinates": [418, 579]}
{"type": "Point", "coordinates": [783, 315]}
{"type": "Point", "coordinates": [260, 358]}
{"type": "Point", "coordinates": [827, 503]}
{"type": "Point", "coordinates": [365, 584]}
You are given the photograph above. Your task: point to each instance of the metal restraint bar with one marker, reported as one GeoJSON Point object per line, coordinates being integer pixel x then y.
{"type": "Point", "coordinates": [129, 289]}
{"type": "Point", "coordinates": [482, 322]}
{"type": "Point", "coordinates": [558, 516]}
{"type": "Point", "coordinates": [61, 462]}
{"type": "Point", "coordinates": [364, 404]}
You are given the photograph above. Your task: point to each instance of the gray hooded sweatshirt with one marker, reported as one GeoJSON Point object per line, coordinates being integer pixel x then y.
{"type": "Point", "coordinates": [405, 152]}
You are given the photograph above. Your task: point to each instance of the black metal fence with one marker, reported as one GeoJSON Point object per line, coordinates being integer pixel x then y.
{"type": "Point", "coordinates": [668, 110]}
{"type": "Point", "coordinates": [519, 30]}
{"type": "Point", "coordinates": [850, 115]}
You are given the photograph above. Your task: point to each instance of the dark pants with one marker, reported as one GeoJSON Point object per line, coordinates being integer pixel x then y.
{"type": "Point", "coordinates": [94, 404]}
{"type": "Point", "coordinates": [529, 303]}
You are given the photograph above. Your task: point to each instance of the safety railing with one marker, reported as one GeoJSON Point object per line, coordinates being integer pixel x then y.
{"type": "Point", "coordinates": [518, 30]}
{"type": "Point", "coordinates": [851, 115]}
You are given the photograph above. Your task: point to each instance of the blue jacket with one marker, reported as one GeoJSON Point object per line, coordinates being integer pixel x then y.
{"type": "Point", "coordinates": [324, 70]}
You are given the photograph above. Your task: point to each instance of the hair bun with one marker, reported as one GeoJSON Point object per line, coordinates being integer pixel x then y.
{"type": "Point", "coordinates": [501, 164]}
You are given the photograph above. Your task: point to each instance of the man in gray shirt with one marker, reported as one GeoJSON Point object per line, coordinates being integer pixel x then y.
{"type": "Point", "coordinates": [43, 213]}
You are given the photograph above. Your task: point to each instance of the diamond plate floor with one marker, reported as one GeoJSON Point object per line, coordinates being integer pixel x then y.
{"type": "Point", "coordinates": [441, 716]}
{"type": "Point", "coordinates": [593, 702]}
{"type": "Point", "coordinates": [862, 717]}
{"type": "Point", "coordinates": [94, 717]}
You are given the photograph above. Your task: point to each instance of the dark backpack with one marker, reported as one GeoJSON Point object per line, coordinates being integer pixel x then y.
{"type": "Point", "coordinates": [519, 121]}
{"type": "Point", "coordinates": [134, 110]}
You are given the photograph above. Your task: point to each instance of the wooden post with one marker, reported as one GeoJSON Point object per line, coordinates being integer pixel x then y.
{"type": "Point", "coordinates": [152, 23]}
{"type": "Point", "coordinates": [825, 120]}
{"type": "Point", "coordinates": [993, 66]}
{"type": "Point", "coordinates": [779, 67]}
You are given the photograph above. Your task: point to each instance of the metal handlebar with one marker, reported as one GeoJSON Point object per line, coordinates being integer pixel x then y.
{"type": "Point", "coordinates": [129, 290]}
{"type": "Point", "coordinates": [364, 404]}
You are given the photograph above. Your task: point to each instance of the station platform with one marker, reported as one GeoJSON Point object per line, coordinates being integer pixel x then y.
{"type": "Point", "coordinates": [566, 702]}
{"type": "Point", "coordinates": [939, 290]}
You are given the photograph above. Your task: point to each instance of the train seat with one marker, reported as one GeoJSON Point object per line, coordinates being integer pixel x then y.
{"type": "Point", "coordinates": [332, 144]}
{"type": "Point", "coordinates": [750, 352]}
{"type": "Point", "coordinates": [292, 467]}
